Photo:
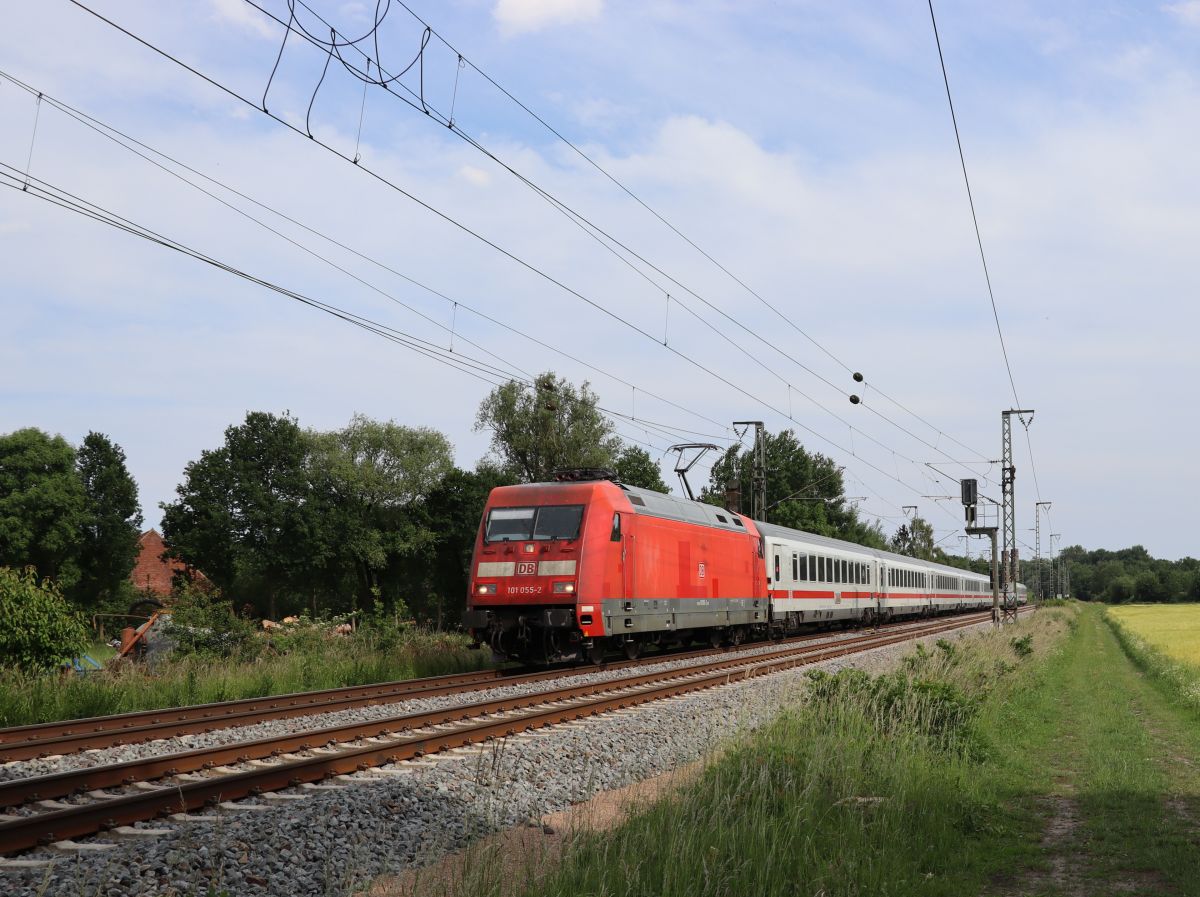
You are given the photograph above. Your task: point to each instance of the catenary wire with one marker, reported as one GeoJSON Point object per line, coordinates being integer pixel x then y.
{"type": "Point", "coordinates": [421, 103]}
{"type": "Point", "coordinates": [492, 244]}
{"type": "Point", "coordinates": [461, 59]}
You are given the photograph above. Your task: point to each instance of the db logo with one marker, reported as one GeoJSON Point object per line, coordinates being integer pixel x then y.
{"type": "Point", "coordinates": [700, 570]}
{"type": "Point", "coordinates": [527, 568]}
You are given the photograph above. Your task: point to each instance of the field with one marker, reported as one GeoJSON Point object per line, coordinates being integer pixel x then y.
{"type": "Point", "coordinates": [1173, 629]}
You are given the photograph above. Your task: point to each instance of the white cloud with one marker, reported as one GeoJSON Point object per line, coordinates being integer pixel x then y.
{"type": "Point", "coordinates": [520, 16]}
{"type": "Point", "coordinates": [235, 12]}
{"type": "Point", "coordinates": [1187, 11]}
{"type": "Point", "coordinates": [473, 175]}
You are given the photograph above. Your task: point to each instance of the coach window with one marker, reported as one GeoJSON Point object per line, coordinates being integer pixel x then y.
{"type": "Point", "coordinates": [837, 570]}
{"type": "Point", "coordinates": [795, 567]}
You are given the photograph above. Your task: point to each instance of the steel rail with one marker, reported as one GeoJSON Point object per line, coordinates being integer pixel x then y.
{"type": "Point", "coordinates": [71, 736]}
{"type": "Point", "coordinates": [467, 724]}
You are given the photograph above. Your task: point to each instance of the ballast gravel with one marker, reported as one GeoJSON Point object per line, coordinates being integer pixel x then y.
{"type": "Point", "coordinates": [333, 840]}
{"type": "Point", "coordinates": [85, 759]}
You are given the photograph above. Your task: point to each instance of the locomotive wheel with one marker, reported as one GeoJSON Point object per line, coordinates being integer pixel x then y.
{"type": "Point", "coordinates": [632, 650]}
{"type": "Point", "coordinates": [595, 654]}
{"type": "Point", "coordinates": [737, 636]}
{"type": "Point", "coordinates": [714, 638]}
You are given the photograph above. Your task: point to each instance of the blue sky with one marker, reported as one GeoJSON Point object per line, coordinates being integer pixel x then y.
{"type": "Point", "coordinates": [807, 146]}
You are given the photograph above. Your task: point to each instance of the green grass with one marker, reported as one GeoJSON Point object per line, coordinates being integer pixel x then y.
{"type": "Point", "coordinates": [996, 767]}
{"type": "Point", "coordinates": [330, 663]}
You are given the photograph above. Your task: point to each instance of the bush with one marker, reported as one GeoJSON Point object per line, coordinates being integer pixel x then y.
{"type": "Point", "coordinates": [203, 622]}
{"type": "Point", "coordinates": [38, 629]}
{"type": "Point", "coordinates": [931, 708]}
{"type": "Point", "coordinates": [1022, 646]}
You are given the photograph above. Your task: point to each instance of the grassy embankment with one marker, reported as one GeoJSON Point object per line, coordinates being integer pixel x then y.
{"type": "Point", "coordinates": [978, 770]}
{"type": "Point", "coordinates": [198, 679]}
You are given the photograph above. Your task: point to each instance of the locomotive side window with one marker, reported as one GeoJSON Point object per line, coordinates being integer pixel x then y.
{"type": "Point", "coordinates": [616, 530]}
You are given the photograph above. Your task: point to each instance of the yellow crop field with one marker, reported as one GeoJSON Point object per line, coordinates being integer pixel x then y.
{"type": "Point", "coordinates": [1173, 629]}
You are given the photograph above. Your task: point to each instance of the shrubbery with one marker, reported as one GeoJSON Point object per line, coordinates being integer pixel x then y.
{"type": "Point", "coordinates": [38, 628]}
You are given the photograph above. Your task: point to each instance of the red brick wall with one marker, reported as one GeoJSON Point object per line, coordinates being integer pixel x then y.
{"type": "Point", "coordinates": [151, 573]}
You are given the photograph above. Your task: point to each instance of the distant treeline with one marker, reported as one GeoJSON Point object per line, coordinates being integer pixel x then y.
{"type": "Point", "coordinates": [1130, 574]}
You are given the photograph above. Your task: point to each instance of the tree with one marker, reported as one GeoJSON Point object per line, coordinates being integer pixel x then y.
{"type": "Point", "coordinates": [537, 430]}
{"type": "Point", "coordinates": [38, 628]}
{"type": "Point", "coordinates": [243, 514]}
{"type": "Point", "coordinates": [440, 576]}
{"type": "Point", "coordinates": [370, 476]}
{"type": "Point", "coordinates": [43, 506]}
{"type": "Point", "coordinates": [635, 467]}
{"type": "Point", "coordinates": [109, 544]}
{"type": "Point", "coordinates": [914, 539]}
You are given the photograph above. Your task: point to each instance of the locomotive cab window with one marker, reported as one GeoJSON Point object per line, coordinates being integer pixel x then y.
{"type": "Point", "coordinates": [547, 523]}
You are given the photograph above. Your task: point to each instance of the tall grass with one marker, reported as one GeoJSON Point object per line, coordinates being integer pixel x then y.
{"type": "Point", "coordinates": [866, 785]}
{"type": "Point", "coordinates": [197, 679]}
{"type": "Point", "coordinates": [1180, 678]}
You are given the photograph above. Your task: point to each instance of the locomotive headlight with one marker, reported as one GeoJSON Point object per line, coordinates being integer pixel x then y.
{"type": "Point", "coordinates": [488, 588]}
{"type": "Point", "coordinates": [564, 588]}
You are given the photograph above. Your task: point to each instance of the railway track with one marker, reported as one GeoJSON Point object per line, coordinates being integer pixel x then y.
{"type": "Point", "coordinates": [106, 797]}
{"type": "Point", "coordinates": [71, 736]}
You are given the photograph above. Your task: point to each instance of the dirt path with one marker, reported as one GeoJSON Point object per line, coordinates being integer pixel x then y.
{"type": "Point", "coordinates": [1114, 781]}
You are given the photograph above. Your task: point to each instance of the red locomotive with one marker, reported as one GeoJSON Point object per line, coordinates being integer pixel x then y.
{"type": "Point", "coordinates": [571, 570]}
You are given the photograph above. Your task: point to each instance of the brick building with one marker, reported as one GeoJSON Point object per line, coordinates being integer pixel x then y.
{"type": "Point", "coordinates": [152, 574]}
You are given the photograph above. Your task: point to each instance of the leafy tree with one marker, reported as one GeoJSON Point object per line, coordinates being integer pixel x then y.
{"type": "Point", "coordinates": [537, 430]}
{"type": "Point", "coordinates": [370, 476]}
{"type": "Point", "coordinates": [440, 575]}
{"type": "Point", "coordinates": [914, 539]}
{"type": "Point", "coordinates": [109, 544]}
{"type": "Point", "coordinates": [243, 514]}
{"type": "Point", "coordinates": [635, 467]}
{"type": "Point", "coordinates": [38, 628]}
{"type": "Point", "coordinates": [43, 506]}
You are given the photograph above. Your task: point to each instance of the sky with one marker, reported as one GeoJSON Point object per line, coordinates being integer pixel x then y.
{"type": "Point", "coordinates": [786, 174]}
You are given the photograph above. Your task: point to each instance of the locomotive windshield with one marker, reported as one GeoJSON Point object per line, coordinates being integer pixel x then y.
{"type": "Point", "coordinates": [542, 524]}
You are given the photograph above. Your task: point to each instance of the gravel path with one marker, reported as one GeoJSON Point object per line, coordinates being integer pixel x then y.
{"type": "Point", "coordinates": [330, 840]}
